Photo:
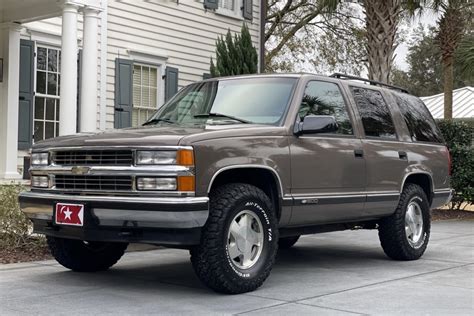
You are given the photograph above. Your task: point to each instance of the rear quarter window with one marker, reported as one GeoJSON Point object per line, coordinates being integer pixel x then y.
{"type": "Point", "coordinates": [420, 123]}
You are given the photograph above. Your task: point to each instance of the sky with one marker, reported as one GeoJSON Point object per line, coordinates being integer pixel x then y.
{"type": "Point", "coordinates": [427, 19]}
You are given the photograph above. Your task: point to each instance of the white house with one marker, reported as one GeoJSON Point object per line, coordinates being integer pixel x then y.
{"type": "Point", "coordinates": [70, 66]}
{"type": "Point", "coordinates": [463, 104]}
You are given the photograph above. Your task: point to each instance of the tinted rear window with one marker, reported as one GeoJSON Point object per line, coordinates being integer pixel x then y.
{"type": "Point", "coordinates": [374, 112]}
{"type": "Point", "coordinates": [420, 123]}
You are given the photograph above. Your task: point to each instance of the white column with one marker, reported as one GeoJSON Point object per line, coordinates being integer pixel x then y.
{"type": "Point", "coordinates": [9, 89]}
{"type": "Point", "coordinates": [89, 82]}
{"type": "Point", "coordinates": [68, 90]}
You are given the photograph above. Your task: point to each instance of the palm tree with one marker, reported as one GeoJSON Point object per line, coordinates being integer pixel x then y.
{"type": "Point", "coordinates": [451, 29]}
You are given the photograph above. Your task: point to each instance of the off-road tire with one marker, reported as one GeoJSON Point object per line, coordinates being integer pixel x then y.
{"type": "Point", "coordinates": [392, 233]}
{"type": "Point", "coordinates": [81, 256]}
{"type": "Point", "coordinates": [287, 242]}
{"type": "Point", "coordinates": [210, 260]}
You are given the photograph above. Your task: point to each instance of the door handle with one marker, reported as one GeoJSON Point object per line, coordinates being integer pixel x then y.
{"type": "Point", "coordinates": [358, 153]}
{"type": "Point", "coordinates": [402, 155]}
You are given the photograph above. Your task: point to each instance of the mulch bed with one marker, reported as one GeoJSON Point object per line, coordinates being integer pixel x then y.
{"type": "Point", "coordinates": [444, 214]}
{"type": "Point", "coordinates": [34, 251]}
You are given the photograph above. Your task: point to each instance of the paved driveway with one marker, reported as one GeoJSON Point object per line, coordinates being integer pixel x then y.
{"type": "Point", "coordinates": [338, 273]}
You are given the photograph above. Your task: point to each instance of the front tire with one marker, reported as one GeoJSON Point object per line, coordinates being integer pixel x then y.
{"type": "Point", "coordinates": [405, 234]}
{"type": "Point", "coordinates": [82, 256]}
{"type": "Point", "coordinates": [239, 241]}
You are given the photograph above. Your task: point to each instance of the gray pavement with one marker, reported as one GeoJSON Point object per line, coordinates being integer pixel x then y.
{"type": "Point", "coordinates": [339, 273]}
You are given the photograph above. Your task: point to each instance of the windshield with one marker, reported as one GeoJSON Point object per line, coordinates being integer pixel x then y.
{"type": "Point", "coordinates": [250, 100]}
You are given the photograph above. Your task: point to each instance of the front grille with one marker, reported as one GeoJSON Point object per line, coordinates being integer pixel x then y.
{"type": "Point", "coordinates": [93, 157]}
{"type": "Point", "coordinates": [87, 182]}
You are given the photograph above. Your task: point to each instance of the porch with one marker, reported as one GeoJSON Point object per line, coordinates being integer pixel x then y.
{"type": "Point", "coordinates": [18, 79]}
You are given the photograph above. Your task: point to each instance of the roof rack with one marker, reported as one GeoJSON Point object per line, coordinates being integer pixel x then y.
{"type": "Point", "coordinates": [371, 82]}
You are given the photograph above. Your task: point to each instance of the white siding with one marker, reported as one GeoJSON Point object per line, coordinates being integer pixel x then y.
{"type": "Point", "coordinates": [183, 31]}
{"type": "Point", "coordinates": [463, 103]}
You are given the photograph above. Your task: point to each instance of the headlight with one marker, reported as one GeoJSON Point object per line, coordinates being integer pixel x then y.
{"type": "Point", "coordinates": [40, 181]}
{"type": "Point", "coordinates": [156, 157]}
{"type": "Point", "coordinates": [39, 159]}
{"type": "Point", "coordinates": [183, 157]}
{"type": "Point", "coordinates": [156, 184]}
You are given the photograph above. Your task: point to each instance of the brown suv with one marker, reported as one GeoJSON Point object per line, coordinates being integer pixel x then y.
{"type": "Point", "coordinates": [234, 168]}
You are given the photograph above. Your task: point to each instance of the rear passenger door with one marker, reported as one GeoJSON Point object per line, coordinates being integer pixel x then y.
{"type": "Point", "coordinates": [384, 153]}
{"type": "Point", "coordinates": [327, 174]}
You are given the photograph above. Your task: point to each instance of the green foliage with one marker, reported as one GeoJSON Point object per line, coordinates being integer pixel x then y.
{"type": "Point", "coordinates": [459, 137]}
{"type": "Point", "coordinates": [425, 74]}
{"type": "Point", "coordinates": [14, 226]}
{"type": "Point", "coordinates": [235, 56]}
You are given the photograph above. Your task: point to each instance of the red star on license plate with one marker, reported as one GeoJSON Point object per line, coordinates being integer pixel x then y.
{"type": "Point", "coordinates": [70, 214]}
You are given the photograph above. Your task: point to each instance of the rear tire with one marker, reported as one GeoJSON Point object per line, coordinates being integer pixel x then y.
{"type": "Point", "coordinates": [405, 234]}
{"type": "Point", "coordinates": [287, 242]}
{"type": "Point", "coordinates": [239, 240]}
{"type": "Point", "coordinates": [82, 256]}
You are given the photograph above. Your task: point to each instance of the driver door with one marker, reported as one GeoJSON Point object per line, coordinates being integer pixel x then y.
{"type": "Point", "coordinates": [328, 172]}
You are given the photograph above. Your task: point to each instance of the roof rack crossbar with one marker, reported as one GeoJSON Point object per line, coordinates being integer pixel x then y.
{"type": "Point", "coordinates": [371, 82]}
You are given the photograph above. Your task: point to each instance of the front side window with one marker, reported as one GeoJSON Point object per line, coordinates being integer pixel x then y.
{"type": "Point", "coordinates": [249, 100]}
{"type": "Point", "coordinates": [145, 93]}
{"type": "Point", "coordinates": [325, 98]}
{"type": "Point", "coordinates": [46, 105]}
{"type": "Point", "coordinates": [419, 121]}
{"type": "Point", "coordinates": [374, 112]}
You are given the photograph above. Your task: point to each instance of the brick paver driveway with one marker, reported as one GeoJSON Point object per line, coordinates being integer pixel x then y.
{"type": "Point", "coordinates": [335, 274]}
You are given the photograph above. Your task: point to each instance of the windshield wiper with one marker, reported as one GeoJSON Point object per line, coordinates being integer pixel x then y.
{"type": "Point", "coordinates": [222, 115]}
{"type": "Point", "coordinates": [157, 120]}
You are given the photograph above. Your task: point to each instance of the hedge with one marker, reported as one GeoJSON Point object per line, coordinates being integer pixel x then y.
{"type": "Point", "coordinates": [459, 139]}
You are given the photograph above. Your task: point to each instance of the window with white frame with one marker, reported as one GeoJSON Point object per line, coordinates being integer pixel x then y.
{"type": "Point", "coordinates": [46, 104]}
{"type": "Point", "coordinates": [145, 93]}
{"type": "Point", "coordinates": [230, 7]}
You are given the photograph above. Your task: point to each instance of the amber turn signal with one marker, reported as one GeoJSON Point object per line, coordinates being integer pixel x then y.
{"type": "Point", "coordinates": [185, 157]}
{"type": "Point", "coordinates": [186, 183]}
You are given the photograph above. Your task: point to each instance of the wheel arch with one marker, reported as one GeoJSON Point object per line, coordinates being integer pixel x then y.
{"type": "Point", "coordinates": [423, 179]}
{"type": "Point", "coordinates": [264, 177]}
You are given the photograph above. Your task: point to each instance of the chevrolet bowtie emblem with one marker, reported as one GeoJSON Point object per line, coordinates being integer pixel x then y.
{"type": "Point", "coordinates": [80, 170]}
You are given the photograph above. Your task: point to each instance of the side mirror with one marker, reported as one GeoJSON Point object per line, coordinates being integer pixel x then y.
{"type": "Point", "coordinates": [314, 124]}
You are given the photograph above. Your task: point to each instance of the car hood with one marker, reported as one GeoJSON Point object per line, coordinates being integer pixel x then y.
{"type": "Point", "coordinates": [168, 135]}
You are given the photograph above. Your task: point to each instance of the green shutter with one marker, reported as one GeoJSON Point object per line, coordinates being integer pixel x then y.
{"type": "Point", "coordinates": [171, 82]}
{"type": "Point", "coordinates": [123, 93]}
{"type": "Point", "coordinates": [211, 4]}
{"type": "Point", "coordinates": [26, 94]}
{"type": "Point", "coordinates": [247, 10]}
{"type": "Point", "coordinates": [206, 75]}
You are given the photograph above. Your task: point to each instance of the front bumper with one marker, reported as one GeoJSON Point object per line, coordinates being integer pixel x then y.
{"type": "Point", "coordinates": [160, 220]}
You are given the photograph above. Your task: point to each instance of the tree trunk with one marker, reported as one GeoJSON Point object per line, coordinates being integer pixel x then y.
{"type": "Point", "coordinates": [448, 71]}
{"type": "Point", "coordinates": [382, 18]}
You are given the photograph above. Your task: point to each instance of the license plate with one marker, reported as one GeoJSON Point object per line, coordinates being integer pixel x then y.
{"type": "Point", "coordinates": [69, 214]}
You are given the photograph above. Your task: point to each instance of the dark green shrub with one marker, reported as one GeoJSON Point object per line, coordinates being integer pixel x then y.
{"type": "Point", "coordinates": [235, 56]}
{"type": "Point", "coordinates": [459, 137]}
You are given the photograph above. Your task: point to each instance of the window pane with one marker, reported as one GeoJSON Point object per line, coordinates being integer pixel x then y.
{"type": "Point", "coordinates": [57, 110]}
{"type": "Point", "coordinates": [137, 75]}
{"type": "Point", "coordinates": [56, 131]}
{"type": "Point", "coordinates": [137, 100]}
{"type": "Point", "coordinates": [38, 131]}
{"type": "Point", "coordinates": [50, 104]}
{"type": "Point", "coordinates": [41, 82]}
{"type": "Point", "coordinates": [41, 60]}
{"type": "Point", "coordinates": [49, 130]}
{"type": "Point", "coordinates": [52, 84]}
{"type": "Point", "coordinates": [419, 121]}
{"type": "Point", "coordinates": [374, 112]}
{"type": "Point", "coordinates": [39, 108]}
{"type": "Point", "coordinates": [325, 98]}
{"type": "Point", "coordinates": [145, 76]}
{"type": "Point", "coordinates": [153, 100]}
{"type": "Point", "coordinates": [153, 77]}
{"type": "Point", "coordinates": [52, 60]}
{"type": "Point", "coordinates": [145, 96]}
{"type": "Point", "coordinates": [135, 117]}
